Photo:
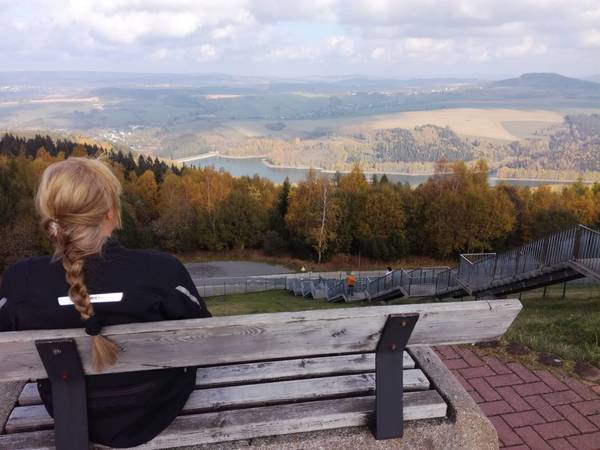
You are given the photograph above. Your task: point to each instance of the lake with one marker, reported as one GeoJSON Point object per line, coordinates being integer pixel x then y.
{"type": "Point", "coordinates": [239, 167]}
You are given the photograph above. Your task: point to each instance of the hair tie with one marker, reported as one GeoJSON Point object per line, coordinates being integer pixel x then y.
{"type": "Point", "coordinates": [53, 227]}
{"type": "Point", "coordinates": [93, 325]}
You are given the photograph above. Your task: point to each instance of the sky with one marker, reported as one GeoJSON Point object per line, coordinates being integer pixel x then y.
{"type": "Point", "coordinates": [294, 38]}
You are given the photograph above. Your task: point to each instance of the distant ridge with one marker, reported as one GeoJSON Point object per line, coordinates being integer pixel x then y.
{"type": "Point", "coordinates": [548, 81]}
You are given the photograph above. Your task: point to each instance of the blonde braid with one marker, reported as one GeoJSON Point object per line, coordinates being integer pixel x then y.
{"type": "Point", "coordinates": [77, 288]}
{"type": "Point", "coordinates": [73, 199]}
{"type": "Point", "coordinates": [104, 351]}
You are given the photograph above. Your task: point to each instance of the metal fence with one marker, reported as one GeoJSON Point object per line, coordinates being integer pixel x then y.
{"type": "Point", "coordinates": [579, 245]}
{"type": "Point", "coordinates": [422, 281]}
{"type": "Point", "coordinates": [446, 280]}
{"type": "Point", "coordinates": [587, 250]}
{"type": "Point", "coordinates": [385, 283]}
{"type": "Point", "coordinates": [243, 285]}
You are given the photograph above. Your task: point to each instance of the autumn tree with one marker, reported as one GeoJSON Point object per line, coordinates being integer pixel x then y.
{"type": "Point", "coordinates": [548, 212]}
{"type": "Point", "coordinates": [351, 193]}
{"type": "Point", "coordinates": [277, 238]}
{"type": "Point", "coordinates": [583, 202]}
{"type": "Point", "coordinates": [242, 218]}
{"type": "Point", "coordinates": [313, 213]}
{"type": "Point", "coordinates": [383, 232]}
{"type": "Point", "coordinates": [142, 193]}
{"type": "Point", "coordinates": [462, 213]}
{"type": "Point", "coordinates": [177, 223]}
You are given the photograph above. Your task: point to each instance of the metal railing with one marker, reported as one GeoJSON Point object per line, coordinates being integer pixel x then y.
{"type": "Point", "coordinates": [422, 281]}
{"type": "Point", "coordinates": [579, 245]}
{"type": "Point", "coordinates": [385, 283]}
{"type": "Point", "coordinates": [446, 281]}
{"type": "Point", "coordinates": [588, 249]}
{"type": "Point", "coordinates": [242, 285]}
{"type": "Point", "coordinates": [335, 288]}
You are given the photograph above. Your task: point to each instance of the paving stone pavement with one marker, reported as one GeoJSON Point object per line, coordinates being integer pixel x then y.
{"type": "Point", "coordinates": [530, 408]}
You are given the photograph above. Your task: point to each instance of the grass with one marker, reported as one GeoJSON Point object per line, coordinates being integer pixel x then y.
{"type": "Point", "coordinates": [566, 327]}
{"type": "Point", "coordinates": [267, 302]}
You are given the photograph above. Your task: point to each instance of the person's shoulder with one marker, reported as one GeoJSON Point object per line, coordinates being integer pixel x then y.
{"type": "Point", "coordinates": [27, 264]}
{"type": "Point", "coordinates": [20, 270]}
{"type": "Point", "coordinates": [156, 258]}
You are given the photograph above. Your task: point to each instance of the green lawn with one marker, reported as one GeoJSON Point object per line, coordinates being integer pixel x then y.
{"type": "Point", "coordinates": [266, 302]}
{"type": "Point", "coordinates": [568, 328]}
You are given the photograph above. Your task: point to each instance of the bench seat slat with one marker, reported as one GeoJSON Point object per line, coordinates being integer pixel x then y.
{"type": "Point", "coordinates": [261, 421]}
{"type": "Point", "coordinates": [239, 339]}
{"type": "Point", "coordinates": [34, 417]}
{"type": "Point", "coordinates": [255, 372]}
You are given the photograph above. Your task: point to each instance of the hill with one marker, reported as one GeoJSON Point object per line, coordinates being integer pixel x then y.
{"type": "Point", "coordinates": [548, 81]}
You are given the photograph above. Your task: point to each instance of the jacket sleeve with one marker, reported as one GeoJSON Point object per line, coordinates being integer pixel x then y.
{"type": "Point", "coordinates": [6, 318]}
{"type": "Point", "coordinates": [185, 303]}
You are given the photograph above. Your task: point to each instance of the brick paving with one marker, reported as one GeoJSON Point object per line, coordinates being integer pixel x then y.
{"type": "Point", "coordinates": [530, 409]}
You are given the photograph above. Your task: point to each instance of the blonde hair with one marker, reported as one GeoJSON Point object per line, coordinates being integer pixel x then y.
{"type": "Point", "coordinates": [73, 200]}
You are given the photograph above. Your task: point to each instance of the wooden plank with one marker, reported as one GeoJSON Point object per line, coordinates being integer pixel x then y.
{"type": "Point", "coordinates": [290, 368]}
{"type": "Point", "coordinates": [29, 395]}
{"type": "Point", "coordinates": [262, 421]}
{"type": "Point", "coordinates": [234, 339]}
{"type": "Point", "coordinates": [271, 370]}
{"type": "Point", "coordinates": [35, 417]}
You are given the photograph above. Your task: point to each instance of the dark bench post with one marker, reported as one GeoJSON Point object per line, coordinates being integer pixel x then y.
{"type": "Point", "coordinates": [69, 403]}
{"type": "Point", "coordinates": [389, 415]}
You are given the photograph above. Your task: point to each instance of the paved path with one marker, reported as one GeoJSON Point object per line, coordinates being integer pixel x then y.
{"type": "Point", "coordinates": [215, 269]}
{"type": "Point", "coordinates": [531, 409]}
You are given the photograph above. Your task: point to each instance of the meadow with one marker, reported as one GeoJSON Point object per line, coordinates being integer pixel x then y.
{"type": "Point", "coordinates": [568, 328]}
{"type": "Point", "coordinates": [492, 123]}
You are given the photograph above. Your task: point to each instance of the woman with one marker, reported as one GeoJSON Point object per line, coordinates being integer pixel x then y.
{"type": "Point", "coordinates": [92, 281]}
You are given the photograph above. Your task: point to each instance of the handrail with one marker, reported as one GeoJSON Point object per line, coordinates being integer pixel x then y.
{"type": "Point", "coordinates": [578, 244]}
{"type": "Point", "coordinates": [577, 248]}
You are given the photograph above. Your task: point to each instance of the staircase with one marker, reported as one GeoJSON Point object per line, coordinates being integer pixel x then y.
{"type": "Point", "coordinates": [386, 287]}
{"type": "Point", "coordinates": [556, 258]}
{"type": "Point", "coordinates": [559, 257]}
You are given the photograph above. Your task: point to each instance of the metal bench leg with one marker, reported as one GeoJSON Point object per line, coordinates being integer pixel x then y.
{"type": "Point", "coordinates": [69, 403]}
{"type": "Point", "coordinates": [389, 415]}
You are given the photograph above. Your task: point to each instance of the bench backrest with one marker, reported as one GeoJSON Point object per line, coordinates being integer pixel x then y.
{"type": "Point", "coordinates": [258, 337]}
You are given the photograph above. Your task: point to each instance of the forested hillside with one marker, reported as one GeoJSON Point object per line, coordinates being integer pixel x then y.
{"type": "Point", "coordinates": [426, 143]}
{"type": "Point", "coordinates": [577, 144]}
{"type": "Point", "coordinates": [195, 209]}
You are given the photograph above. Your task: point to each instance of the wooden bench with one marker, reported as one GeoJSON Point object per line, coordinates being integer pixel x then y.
{"type": "Point", "coordinates": [259, 375]}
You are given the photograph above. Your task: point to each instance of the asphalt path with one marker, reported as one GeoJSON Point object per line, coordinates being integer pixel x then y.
{"type": "Point", "coordinates": [226, 269]}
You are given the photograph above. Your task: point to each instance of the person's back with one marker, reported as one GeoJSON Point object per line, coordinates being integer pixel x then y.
{"type": "Point", "coordinates": [351, 280]}
{"type": "Point", "coordinates": [92, 281]}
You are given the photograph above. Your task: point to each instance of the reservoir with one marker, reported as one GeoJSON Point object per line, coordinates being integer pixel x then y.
{"type": "Point", "coordinates": [251, 166]}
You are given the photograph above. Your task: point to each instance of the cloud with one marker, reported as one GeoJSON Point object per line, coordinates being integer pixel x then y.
{"type": "Point", "coordinates": [292, 53]}
{"type": "Point", "coordinates": [380, 54]}
{"type": "Point", "coordinates": [590, 38]}
{"type": "Point", "coordinates": [526, 47]}
{"type": "Point", "coordinates": [206, 52]}
{"type": "Point", "coordinates": [424, 46]}
{"type": "Point", "coordinates": [159, 54]}
{"type": "Point", "coordinates": [341, 45]}
{"type": "Point", "coordinates": [226, 32]}
{"type": "Point", "coordinates": [335, 36]}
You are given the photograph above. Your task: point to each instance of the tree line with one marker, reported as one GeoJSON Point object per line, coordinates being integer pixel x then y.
{"type": "Point", "coordinates": [186, 209]}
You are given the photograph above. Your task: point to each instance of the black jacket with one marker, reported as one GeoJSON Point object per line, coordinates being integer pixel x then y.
{"type": "Point", "coordinates": [124, 410]}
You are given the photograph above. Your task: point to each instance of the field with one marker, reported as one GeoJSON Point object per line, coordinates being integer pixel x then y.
{"type": "Point", "coordinates": [491, 123]}
{"type": "Point", "coordinates": [485, 123]}
{"type": "Point", "coordinates": [568, 328]}
{"type": "Point", "coordinates": [527, 129]}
